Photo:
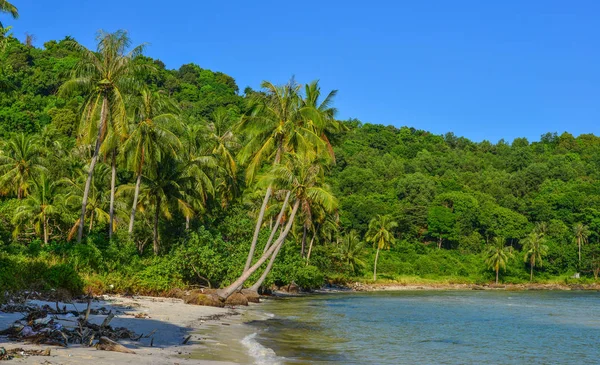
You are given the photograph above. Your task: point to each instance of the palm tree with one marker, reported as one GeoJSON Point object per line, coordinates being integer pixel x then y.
{"type": "Point", "coordinates": [350, 251]}
{"type": "Point", "coordinates": [102, 76]}
{"type": "Point", "coordinates": [6, 7]}
{"type": "Point", "coordinates": [497, 255]}
{"type": "Point", "coordinates": [379, 233]}
{"type": "Point", "coordinates": [19, 161]}
{"type": "Point", "coordinates": [168, 186]}
{"type": "Point", "coordinates": [304, 178]}
{"type": "Point", "coordinates": [38, 207]}
{"type": "Point", "coordinates": [274, 127]}
{"type": "Point", "coordinates": [581, 233]}
{"type": "Point", "coordinates": [151, 136]}
{"type": "Point", "coordinates": [535, 250]}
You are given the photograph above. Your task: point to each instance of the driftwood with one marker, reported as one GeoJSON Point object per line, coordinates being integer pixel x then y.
{"type": "Point", "coordinates": [107, 344]}
{"type": "Point", "coordinates": [19, 352]}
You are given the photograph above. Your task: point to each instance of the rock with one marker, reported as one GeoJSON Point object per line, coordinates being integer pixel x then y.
{"type": "Point", "coordinates": [236, 298]}
{"type": "Point", "coordinates": [211, 300]}
{"type": "Point", "coordinates": [251, 295]}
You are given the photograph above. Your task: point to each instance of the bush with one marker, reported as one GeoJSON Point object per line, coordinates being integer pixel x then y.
{"type": "Point", "coordinates": [64, 276]}
{"type": "Point", "coordinates": [309, 277]}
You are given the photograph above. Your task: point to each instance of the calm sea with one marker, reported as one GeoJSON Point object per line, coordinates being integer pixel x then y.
{"type": "Point", "coordinates": [421, 327]}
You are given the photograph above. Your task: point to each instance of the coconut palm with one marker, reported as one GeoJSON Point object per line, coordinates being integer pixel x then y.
{"type": "Point", "coordinates": [304, 178]}
{"type": "Point", "coordinates": [19, 161]}
{"type": "Point", "coordinates": [6, 7]}
{"type": "Point", "coordinates": [581, 233]}
{"type": "Point", "coordinates": [497, 255]}
{"type": "Point", "coordinates": [535, 250]}
{"type": "Point", "coordinates": [274, 127]}
{"type": "Point", "coordinates": [102, 76]}
{"type": "Point", "coordinates": [38, 207]}
{"type": "Point", "coordinates": [380, 234]}
{"type": "Point", "coordinates": [152, 135]}
{"type": "Point", "coordinates": [350, 251]}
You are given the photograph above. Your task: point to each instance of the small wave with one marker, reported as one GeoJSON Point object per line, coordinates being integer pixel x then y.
{"type": "Point", "coordinates": [262, 355]}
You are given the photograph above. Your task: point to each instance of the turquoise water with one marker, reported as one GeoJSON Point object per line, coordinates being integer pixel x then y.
{"type": "Point", "coordinates": [418, 327]}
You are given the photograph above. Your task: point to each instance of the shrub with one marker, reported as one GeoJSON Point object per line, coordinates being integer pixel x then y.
{"type": "Point", "coordinates": [309, 277]}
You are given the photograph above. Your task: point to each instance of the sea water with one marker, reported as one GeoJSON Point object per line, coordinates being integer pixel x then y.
{"type": "Point", "coordinates": [422, 327]}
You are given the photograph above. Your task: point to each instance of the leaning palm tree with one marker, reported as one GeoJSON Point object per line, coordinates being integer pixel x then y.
{"type": "Point", "coordinates": [38, 207]}
{"type": "Point", "coordinates": [152, 135]}
{"type": "Point", "coordinates": [19, 161]}
{"type": "Point", "coordinates": [303, 177]}
{"type": "Point", "coordinates": [581, 233]}
{"type": "Point", "coordinates": [535, 250]}
{"type": "Point", "coordinates": [102, 76]}
{"type": "Point", "coordinates": [497, 255]}
{"type": "Point", "coordinates": [274, 126]}
{"type": "Point", "coordinates": [6, 7]}
{"type": "Point", "coordinates": [379, 233]}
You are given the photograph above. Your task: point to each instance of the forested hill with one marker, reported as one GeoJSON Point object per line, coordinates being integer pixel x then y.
{"type": "Point", "coordinates": [30, 79]}
{"type": "Point", "coordinates": [449, 204]}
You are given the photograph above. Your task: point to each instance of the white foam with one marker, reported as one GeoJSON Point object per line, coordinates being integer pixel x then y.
{"type": "Point", "coordinates": [262, 355]}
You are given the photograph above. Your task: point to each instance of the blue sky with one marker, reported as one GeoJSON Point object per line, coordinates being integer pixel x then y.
{"type": "Point", "coordinates": [482, 69]}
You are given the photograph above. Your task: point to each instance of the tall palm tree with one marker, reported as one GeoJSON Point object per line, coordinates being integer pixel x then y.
{"type": "Point", "coordinates": [169, 186]}
{"type": "Point", "coordinates": [350, 251]}
{"type": "Point", "coordinates": [380, 234]}
{"type": "Point", "coordinates": [6, 7]}
{"type": "Point", "coordinates": [152, 135]}
{"type": "Point", "coordinates": [274, 127]}
{"type": "Point", "coordinates": [581, 233]}
{"type": "Point", "coordinates": [535, 250]}
{"type": "Point", "coordinates": [497, 255]}
{"type": "Point", "coordinates": [19, 161]}
{"type": "Point", "coordinates": [103, 76]}
{"type": "Point", "coordinates": [38, 207]}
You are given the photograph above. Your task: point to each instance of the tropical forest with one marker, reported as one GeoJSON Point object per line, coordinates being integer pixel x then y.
{"type": "Point", "coordinates": [119, 175]}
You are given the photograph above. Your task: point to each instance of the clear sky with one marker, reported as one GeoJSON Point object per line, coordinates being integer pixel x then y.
{"type": "Point", "coordinates": [482, 69]}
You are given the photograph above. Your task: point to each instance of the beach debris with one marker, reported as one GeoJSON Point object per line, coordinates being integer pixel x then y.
{"type": "Point", "coordinates": [187, 339]}
{"type": "Point", "coordinates": [107, 344]}
{"type": "Point", "coordinates": [20, 353]}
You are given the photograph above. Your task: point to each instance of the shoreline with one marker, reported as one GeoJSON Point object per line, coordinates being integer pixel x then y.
{"type": "Point", "coordinates": [363, 287]}
{"type": "Point", "coordinates": [171, 319]}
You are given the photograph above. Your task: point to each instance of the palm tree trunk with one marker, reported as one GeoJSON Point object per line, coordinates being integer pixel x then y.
{"type": "Point", "coordinates": [310, 248]}
{"type": "Point", "coordinates": [264, 275]}
{"type": "Point", "coordinates": [279, 218]}
{"type": "Point", "coordinates": [259, 221]}
{"type": "Point", "coordinates": [375, 266]}
{"type": "Point", "coordinates": [155, 235]}
{"type": "Point", "coordinates": [497, 269]}
{"type": "Point", "coordinates": [136, 195]}
{"type": "Point", "coordinates": [440, 242]}
{"type": "Point", "coordinates": [187, 223]}
{"type": "Point", "coordinates": [91, 222]}
{"type": "Point", "coordinates": [303, 241]}
{"type": "Point", "coordinates": [45, 223]}
{"type": "Point", "coordinates": [113, 180]}
{"type": "Point", "coordinates": [88, 182]}
{"type": "Point", "coordinates": [531, 272]}
{"type": "Point", "coordinates": [579, 244]}
{"type": "Point", "coordinates": [226, 292]}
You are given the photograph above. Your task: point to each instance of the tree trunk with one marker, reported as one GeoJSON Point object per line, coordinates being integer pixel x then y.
{"type": "Point", "coordinates": [226, 292]}
{"type": "Point", "coordinates": [279, 218]}
{"type": "Point", "coordinates": [136, 195]}
{"type": "Point", "coordinates": [88, 182]}
{"type": "Point", "coordinates": [113, 180]}
{"type": "Point", "coordinates": [264, 275]}
{"type": "Point", "coordinates": [45, 223]}
{"type": "Point", "coordinates": [375, 266]}
{"type": "Point", "coordinates": [91, 222]}
{"type": "Point", "coordinates": [310, 248]}
{"type": "Point", "coordinates": [531, 272]}
{"type": "Point", "coordinates": [303, 241]}
{"type": "Point", "coordinates": [497, 269]}
{"type": "Point", "coordinates": [440, 242]}
{"type": "Point", "coordinates": [187, 223]}
{"type": "Point", "coordinates": [579, 244]}
{"type": "Point", "coordinates": [155, 235]}
{"type": "Point", "coordinates": [259, 221]}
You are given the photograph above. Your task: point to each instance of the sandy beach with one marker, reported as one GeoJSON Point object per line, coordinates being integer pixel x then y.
{"type": "Point", "coordinates": [171, 319]}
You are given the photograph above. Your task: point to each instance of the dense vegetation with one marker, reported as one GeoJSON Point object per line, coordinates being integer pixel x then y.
{"type": "Point", "coordinates": [119, 174]}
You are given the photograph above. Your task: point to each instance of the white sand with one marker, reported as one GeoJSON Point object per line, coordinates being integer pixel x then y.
{"type": "Point", "coordinates": [171, 318]}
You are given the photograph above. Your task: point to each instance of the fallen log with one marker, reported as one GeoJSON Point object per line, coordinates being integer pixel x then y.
{"type": "Point", "coordinates": [107, 344]}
